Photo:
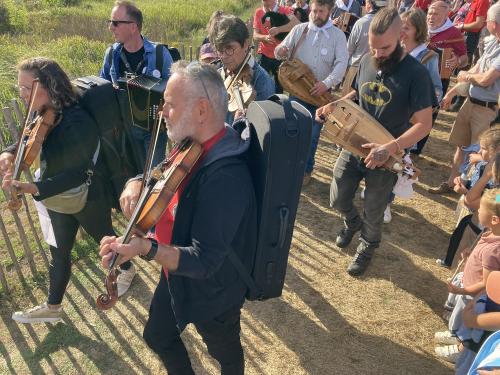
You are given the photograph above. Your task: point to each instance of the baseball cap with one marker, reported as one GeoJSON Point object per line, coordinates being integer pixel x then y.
{"type": "Point", "coordinates": [207, 52]}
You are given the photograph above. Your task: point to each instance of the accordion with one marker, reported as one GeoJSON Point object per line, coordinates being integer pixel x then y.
{"type": "Point", "coordinates": [445, 54]}
{"type": "Point", "coordinates": [347, 21]}
{"type": "Point", "coordinates": [145, 94]}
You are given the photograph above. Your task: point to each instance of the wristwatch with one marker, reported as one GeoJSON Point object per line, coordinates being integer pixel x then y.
{"type": "Point", "coordinates": [150, 255]}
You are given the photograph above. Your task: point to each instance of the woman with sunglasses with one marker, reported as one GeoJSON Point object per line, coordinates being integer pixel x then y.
{"type": "Point", "coordinates": [69, 151]}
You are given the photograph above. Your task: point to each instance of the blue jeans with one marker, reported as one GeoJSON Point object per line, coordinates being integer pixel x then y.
{"type": "Point", "coordinates": [316, 132]}
{"type": "Point", "coordinates": [348, 171]}
{"type": "Point", "coordinates": [143, 139]}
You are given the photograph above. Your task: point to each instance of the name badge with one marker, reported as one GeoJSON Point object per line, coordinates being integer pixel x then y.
{"type": "Point", "coordinates": [324, 51]}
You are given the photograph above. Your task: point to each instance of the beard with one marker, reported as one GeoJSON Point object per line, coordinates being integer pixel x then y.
{"type": "Point", "coordinates": [319, 22]}
{"type": "Point", "coordinates": [387, 64]}
{"type": "Point", "coordinates": [179, 131]}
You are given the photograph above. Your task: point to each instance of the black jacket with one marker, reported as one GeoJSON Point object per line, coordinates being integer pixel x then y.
{"type": "Point", "coordinates": [217, 213]}
{"type": "Point", "coordinates": [67, 153]}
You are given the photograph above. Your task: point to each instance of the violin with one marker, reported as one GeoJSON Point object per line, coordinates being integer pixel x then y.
{"type": "Point", "coordinates": [152, 203]}
{"type": "Point", "coordinates": [30, 142]}
{"type": "Point", "coordinates": [240, 91]}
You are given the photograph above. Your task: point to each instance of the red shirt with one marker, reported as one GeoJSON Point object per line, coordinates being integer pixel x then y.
{"type": "Point", "coordinates": [267, 49]}
{"type": "Point", "coordinates": [423, 4]}
{"type": "Point", "coordinates": [165, 226]}
{"type": "Point", "coordinates": [450, 38]}
{"type": "Point", "coordinates": [478, 8]}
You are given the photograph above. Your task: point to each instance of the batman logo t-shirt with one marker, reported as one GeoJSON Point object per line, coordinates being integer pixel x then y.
{"type": "Point", "coordinates": [393, 98]}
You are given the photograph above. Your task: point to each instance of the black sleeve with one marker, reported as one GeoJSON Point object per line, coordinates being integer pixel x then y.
{"type": "Point", "coordinates": [422, 90]}
{"type": "Point", "coordinates": [222, 205]}
{"type": "Point", "coordinates": [72, 150]}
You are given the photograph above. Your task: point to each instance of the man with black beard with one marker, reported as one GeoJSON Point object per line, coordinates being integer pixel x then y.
{"type": "Point", "coordinates": [393, 87]}
{"type": "Point", "coordinates": [323, 48]}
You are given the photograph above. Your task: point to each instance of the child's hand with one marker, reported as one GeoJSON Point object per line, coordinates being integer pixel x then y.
{"type": "Point", "coordinates": [469, 315]}
{"type": "Point", "coordinates": [465, 252]}
{"type": "Point", "coordinates": [459, 187]}
{"type": "Point", "coordinates": [475, 158]}
{"type": "Point", "coordinates": [454, 289]}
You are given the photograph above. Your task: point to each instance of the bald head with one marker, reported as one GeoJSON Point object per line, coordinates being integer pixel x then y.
{"type": "Point", "coordinates": [437, 14]}
{"type": "Point", "coordinates": [494, 14]}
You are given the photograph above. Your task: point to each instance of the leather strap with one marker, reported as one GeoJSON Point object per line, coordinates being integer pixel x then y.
{"type": "Point", "coordinates": [302, 37]}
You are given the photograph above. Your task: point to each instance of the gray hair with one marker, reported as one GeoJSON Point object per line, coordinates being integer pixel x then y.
{"type": "Point", "coordinates": [206, 82]}
{"type": "Point", "coordinates": [494, 13]}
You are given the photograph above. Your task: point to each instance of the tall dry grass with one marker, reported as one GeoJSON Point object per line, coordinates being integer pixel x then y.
{"type": "Point", "coordinates": [77, 36]}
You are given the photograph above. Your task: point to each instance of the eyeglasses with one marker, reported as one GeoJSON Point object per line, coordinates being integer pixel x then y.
{"type": "Point", "coordinates": [229, 51]}
{"type": "Point", "coordinates": [115, 23]}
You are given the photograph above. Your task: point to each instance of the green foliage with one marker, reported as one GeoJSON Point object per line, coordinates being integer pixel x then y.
{"type": "Point", "coordinates": [13, 16]}
{"type": "Point", "coordinates": [62, 3]}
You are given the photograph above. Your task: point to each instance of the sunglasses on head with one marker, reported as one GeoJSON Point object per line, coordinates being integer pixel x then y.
{"type": "Point", "coordinates": [115, 23]}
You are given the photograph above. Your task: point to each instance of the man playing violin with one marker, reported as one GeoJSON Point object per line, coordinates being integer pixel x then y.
{"type": "Point", "coordinates": [212, 214]}
{"type": "Point", "coordinates": [65, 156]}
{"type": "Point", "coordinates": [231, 40]}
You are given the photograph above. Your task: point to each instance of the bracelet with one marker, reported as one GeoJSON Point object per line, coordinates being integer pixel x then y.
{"type": "Point", "coordinates": [150, 255]}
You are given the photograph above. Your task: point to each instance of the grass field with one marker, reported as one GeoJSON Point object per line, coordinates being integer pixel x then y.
{"type": "Point", "coordinates": [77, 36]}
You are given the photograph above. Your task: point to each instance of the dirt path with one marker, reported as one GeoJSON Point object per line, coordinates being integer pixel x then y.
{"type": "Point", "coordinates": [326, 322]}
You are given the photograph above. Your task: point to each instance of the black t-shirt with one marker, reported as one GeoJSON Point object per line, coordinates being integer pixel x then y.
{"type": "Point", "coordinates": [134, 59]}
{"type": "Point", "coordinates": [393, 98]}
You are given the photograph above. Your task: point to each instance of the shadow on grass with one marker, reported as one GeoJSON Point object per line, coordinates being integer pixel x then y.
{"type": "Point", "coordinates": [334, 345]}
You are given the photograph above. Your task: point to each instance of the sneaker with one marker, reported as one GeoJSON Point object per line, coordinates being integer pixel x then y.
{"type": "Point", "coordinates": [124, 280]}
{"type": "Point", "coordinates": [362, 194]}
{"type": "Point", "coordinates": [307, 179]}
{"type": "Point", "coordinates": [361, 260]}
{"type": "Point", "coordinates": [442, 263]}
{"type": "Point", "coordinates": [449, 353]}
{"type": "Point", "coordinates": [387, 214]}
{"type": "Point", "coordinates": [443, 188]}
{"type": "Point", "coordinates": [445, 338]}
{"type": "Point", "coordinates": [344, 237]}
{"type": "Point", "coordinates": [38, 314]}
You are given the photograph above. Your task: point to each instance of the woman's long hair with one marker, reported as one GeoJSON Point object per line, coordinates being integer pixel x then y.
{"type": "Point", "coordinates": [53, 79]}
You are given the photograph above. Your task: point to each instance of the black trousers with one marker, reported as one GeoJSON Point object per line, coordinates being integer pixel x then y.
{"type": "Point", "coordinates": [221, 336]}
{"type": "Point", "coordinates": [271, 66]}
{"type": "Point", "coordinates": [456, 237]}
{"type": "Point", "coordinates": [95, 218]}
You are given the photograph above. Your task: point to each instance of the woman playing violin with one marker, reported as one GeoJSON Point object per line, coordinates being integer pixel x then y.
{"type": "Point", "coordinates": [65, 156]}
{"type": "Point", "coordinates": [230, 38]}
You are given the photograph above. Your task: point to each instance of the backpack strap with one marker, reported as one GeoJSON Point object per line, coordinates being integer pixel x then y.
{"type": "Point", "coordinates": [109, 54]}
{"type": "Point", "coordinates": [159, 56]}
{"type": "Point", "coordinates": [428, 55]}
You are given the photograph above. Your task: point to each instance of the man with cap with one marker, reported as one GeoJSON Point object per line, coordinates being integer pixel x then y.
{"type": "Point", "coordinates": [207, 54]}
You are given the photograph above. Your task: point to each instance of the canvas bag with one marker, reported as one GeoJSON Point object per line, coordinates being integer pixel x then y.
{"type": "Point", "coordinates": [73, 200]}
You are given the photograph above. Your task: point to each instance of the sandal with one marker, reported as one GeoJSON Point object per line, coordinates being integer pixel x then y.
{"type": "Point", "coordinates": [443, 188]}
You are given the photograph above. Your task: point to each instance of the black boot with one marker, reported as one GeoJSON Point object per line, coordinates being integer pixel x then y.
{"type": "Point", "coordinates": [361, 260]}
{"type": "Point", "coordinates": [344, 237]}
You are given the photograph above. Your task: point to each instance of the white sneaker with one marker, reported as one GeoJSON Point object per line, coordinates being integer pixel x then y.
{"type": "Point", "coordinates": [449, 353]}
{"type": "Point", "coordinates": [387, 214]}
{"type": "Point", "coordinates": [38, 314]}
{"type": "Point", "coordinates": [124, 280]}
{"type": "Point", "coordinates": [362, 194]}
{"type": "Point", "coordinates": [445, 338]}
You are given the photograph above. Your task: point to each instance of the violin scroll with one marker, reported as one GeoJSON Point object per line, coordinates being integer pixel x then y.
{"type": "Point", "coordinates": [107, 300]}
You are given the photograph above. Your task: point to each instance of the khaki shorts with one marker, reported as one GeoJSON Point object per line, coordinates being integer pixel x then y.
{"type": "Point", "coordinates": [471, 121]}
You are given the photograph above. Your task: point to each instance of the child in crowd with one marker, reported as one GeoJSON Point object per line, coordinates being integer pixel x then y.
{"type": "Point", "coordinates": [467, 227]}
{"type": "Point", "coordinates": [488, 358]}
{"type": "Point", "coordinates": [483, 259]}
